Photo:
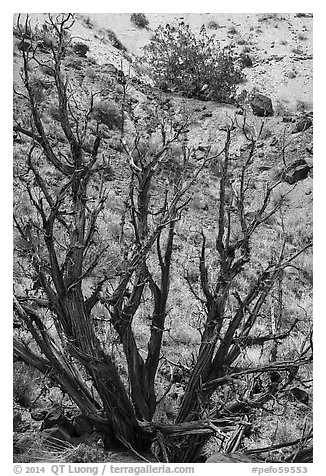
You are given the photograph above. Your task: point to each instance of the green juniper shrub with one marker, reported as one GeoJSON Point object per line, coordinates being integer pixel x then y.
{"type": "Point", "coordinates": [213, 25]}
{"type": "Point", "coordinates": [139, 19]}
{"type": "Point", "coordinates": [176, 59]}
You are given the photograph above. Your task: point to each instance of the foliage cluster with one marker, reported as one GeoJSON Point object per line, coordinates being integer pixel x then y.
{"type": "Point", "coordinates": [194, 66]}
{"type": "Point", "coordinates": [139, 19]}
{"type": "Point", "coordinates": [213, 25]}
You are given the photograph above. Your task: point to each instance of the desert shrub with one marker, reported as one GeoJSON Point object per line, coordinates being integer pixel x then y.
{"type": "Point", "coordinates": [303, 15]}
{"type": "Point", "coordinates": [115, 40]}
{"type": "Point", "coordinates": [247, 49]}
{"type": "Point", "coordinates": [246, 60]}
{"type": "Point", "coordinates": [90, 73]}
{"type": "Point", "coordinates": [194, 66]}
{"type": "Point", "coordinates": [73, 62]}
{"type": "Point", "coordinates": [241, 41]}
{"type": "Point", "coordinates": [88, 22]}
{"type": "Point", "coordinates": [22, 385]}
{"type": "Point", "coordinates": [301, 106]}
{"type": "Point", "coordinates": [81, 49]}
{"type": "Point", "coordinates": [84, 453]}
{"type": "Point", "coordinates": [297, 51]}
{"type": "Point", "coordinates": [283, 42]}
{"type": "Point", "coordinates": [139, 19]}
{"type": "Point", "coordinates": [267, 16]}
{"type": "Point", "coordinates": [39, 88]}
{"type": "Point", "coordinates": [280, 109]}
{"type": "Point", "coordinates": [302, 37]}
{"type": "Point", "coordinates": [213, 25]}
{"type": "Point", "coordinates": [54, 112]}
{"type": "Point", "coordinates": [291, 74]}
{"type": "Point", "coordinates": [105, 112]}
{"type": "Point", "coordinates": [232, 30]}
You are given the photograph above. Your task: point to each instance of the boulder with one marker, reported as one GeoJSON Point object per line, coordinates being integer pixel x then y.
{"type": "Point", "coordinates": [297, 171]}
{"type": "Point", "coordinates": [230, 458]}
{"type": "Point", "coordinates": [300, 395]}
{"type": "Point", "coordinates": [262, 105]}
{"type": "Point", "coordinates": [302, 125]}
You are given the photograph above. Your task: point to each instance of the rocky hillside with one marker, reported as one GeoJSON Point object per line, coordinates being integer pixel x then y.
{"type": "Point", "coordinates": [279, 45]}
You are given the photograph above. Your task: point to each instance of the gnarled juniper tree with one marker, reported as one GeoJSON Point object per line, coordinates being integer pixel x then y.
{"type": "Point", "coordinates": [97, 206]}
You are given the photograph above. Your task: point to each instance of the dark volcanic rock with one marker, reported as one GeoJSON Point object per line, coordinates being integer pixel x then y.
{"type": "Point", "coordinates": [302, 125]}
{"type": "Point", "coordinates": [262, 105]}
{"type": "Point", "coordinates": [298, 171]}
{"type": "Point", "coordinates": [300, 395]}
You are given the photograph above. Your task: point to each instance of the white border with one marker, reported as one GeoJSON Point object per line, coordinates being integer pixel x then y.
{"type": "Point", "coordinates": [319, 186]}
